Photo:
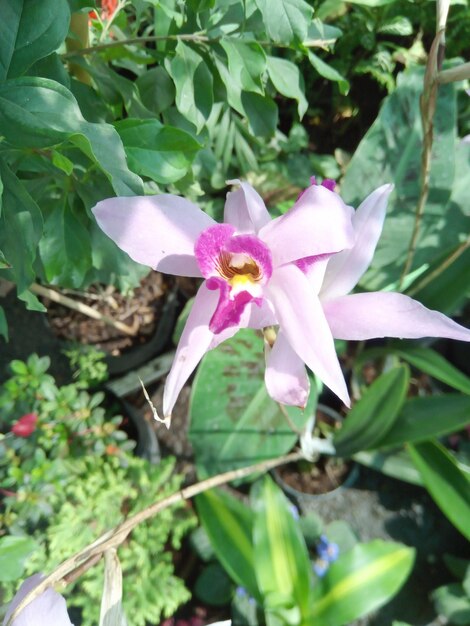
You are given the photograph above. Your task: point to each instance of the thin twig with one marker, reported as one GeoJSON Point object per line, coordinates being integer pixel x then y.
{"type": "Point", "coordinates": [439, 270]}
{"type": "Point", "coordinates": [84, 559]}
{"type": "Point", "coordinates": [55, 296]}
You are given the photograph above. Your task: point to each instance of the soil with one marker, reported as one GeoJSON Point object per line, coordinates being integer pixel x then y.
{"type": "Point", "coordinates": [140, 311]}
{"type": "Point", "coordinates": [314, 478]}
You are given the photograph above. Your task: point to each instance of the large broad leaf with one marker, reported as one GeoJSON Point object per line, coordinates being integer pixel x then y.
{"type": "Point", "coordinates": [373, 416]}
{"type": "Point", "coordinates": [40, 113]}
{"type": "Point", "coordinates": [234, 422]}
{"type": "Point", "coordinates": [285, 20]}
{"type": "Point", "coordinates": [286, 78]}
{"type": "Point", "coordinates": [262, 113]}
{"type": "Point", "coordinates": [396, 464]}
{"type": "Point", "coordinates": [447, 484]}
{"type": "Point", "coordinates": [13, 553]}
{"type": "Point", "coordinates": [282, 563]}
{"type": "Point", "coordinates": [360, 581]}
{"type": "Point", "coordinates": [425, 418]}
{"type": "Point", "coordinates": [193, 82]}
{"type": "Point", "coordinates": [30, 30]}
{"type": "Point", "coordinates": [21, 227]}
{"type": "Point", "coordinates": [163, 153]}
{"type": "Point", "coordinates": [229, 525]}
{"type": "Point", "coordinates": [65, 248]}
{"type": "Point", "coordinates": [391, 152]}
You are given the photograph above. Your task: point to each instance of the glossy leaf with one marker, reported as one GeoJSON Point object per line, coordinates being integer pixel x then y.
{"type": "Point", "coordinates": [437, 366]}
{"type": "Point", "coordinates": [360, 581]}
{"type": "Point", "coordinates": [13, 553]}
{"type": "Point", "coordinates": [40, 113]}
{"type": "Point", "coordinates": [163, 153]}
{"type": "Point", "coordinates": [372, 417]}
{"type": "Point", "coordinates": [286, 78]}
{"type": "Point", "coordinates": [193, 83]}
{"type": "Point", "coordinates": [30, 30]}
{"type": "Point", "coordinates": [282, 563]}
{"type": "Point", "coordinates": [233, 421]}
{"type": "Point", "coordinates": [425, 418]}
{"type": "Point", "coordinates": [448, 485]}
{"type": "Point", "coordinates": [229, 525]}
{"type": "Point", "coordinates": [285, 20]}
{"type": "Point", "coordinates": [246, 63]}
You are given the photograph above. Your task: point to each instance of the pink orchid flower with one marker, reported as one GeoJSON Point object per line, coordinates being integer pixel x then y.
{"type": "Point", "coordinates": [292, 272]}
{"type": "Point", "coordinates": [48, 609]}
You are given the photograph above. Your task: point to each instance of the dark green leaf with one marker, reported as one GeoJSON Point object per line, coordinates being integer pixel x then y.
{"type": "Point", "coordinates": [328, 72]}
{"type": "Point", "coordinates": [229, 525]}
{"type": "Point", "coordinates": [3, 324]}
{"type": "Point", "coordinates": [287, 79]}
{"type": "Point", "coordinates": [37, 112]}
{"type": "Point", "coordinates": [213, 586]}
{"type": "Point", "coordinates": [453, 603]}
{"type": "Point", "coordinates": [425, 418]}
{"type": "Point", "coordinates": [246, 63]}
{"type": "Point", "coordinates": [360, 581]}
{"type": "Point", "coordinates": [373, 416]}
{"type": "Point", "coordinates": [286, 20]}
{"type": "Point", "coordinates": [447, 484]}
{"type": "Point", "coordinates": [396, 464]}
{"type": "Point", "coordinates": [163, 153]}
{"type": "Point", "coordinates": [261, 112]}
{"type": "Point", "coordinates": [156, 89]}
{"type": "Point", "coordinates": [30, 30]}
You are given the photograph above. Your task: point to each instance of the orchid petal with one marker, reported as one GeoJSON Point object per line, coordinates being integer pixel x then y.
{"type": "Point", "coordinates": [245, 209]}
{"type": "Point", "coordinates": [158, 231]}
{"type": "Point", "coordinates": [301, 318]}
{"type": "Point", "coordinates": [372, 315]}
{"type": "Point", "coordinates": [318, 223]}
{"type": "Point", "coordinates": [346, 268]}
{"type": "Point", "coordinates": [285, 376]}
{"type": "Point", "coordinates": [48, 609]}
{"type": "Point", "coordinates": [195, 341]}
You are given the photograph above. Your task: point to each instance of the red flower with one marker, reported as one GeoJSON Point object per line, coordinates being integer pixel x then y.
{"type": "Point", "coordinates": [25, 426]}
{"type": "Point", "coordinates": [108, 7]}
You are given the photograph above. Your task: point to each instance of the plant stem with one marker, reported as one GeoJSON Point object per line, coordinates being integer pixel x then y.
{"type": "Point", "coordinates": [87, 557]}
{"type": "Point", "coordinates": [55, 296]}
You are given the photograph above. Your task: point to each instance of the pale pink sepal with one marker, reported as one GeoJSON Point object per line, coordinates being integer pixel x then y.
{"type": "Point", "coordinates": [346, 268]}
{"type": "Point", "coordinates": [370, 315]}
{"type": "Point", "coordinates": [49, 609]}
{"type": "Point", "coordinates": [285, 375]}
{"type": "Point", "coordinates": [245, 209]}
{"type": "Point", "coordinates": [301, 318]}
{"type": "Point", "coordinates": [158, 231]}
{"type": "Point", "coordinates": [318, 223]}
{"type": "Point", "coordinates": [195, 341]}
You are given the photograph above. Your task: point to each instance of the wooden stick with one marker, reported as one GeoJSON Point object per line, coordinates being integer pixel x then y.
{"type": "Point", "coordinates": [55, 296]}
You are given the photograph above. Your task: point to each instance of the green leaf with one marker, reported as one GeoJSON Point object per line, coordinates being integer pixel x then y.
{"type": "Point", "coordinates": [193, 82]}
{"type": "Point", "coordinates": [163, 153]}
{"type": "Point", "coordinates": [425, 418]}
{"type": "Point", "coordinates": [453, 603]}
{"type": "Point", "coordinates": [213, 586]}
{"type": "Point", "coordinates": [62, 162]}
{"type": "Point", "coordinates": [246, 63]}
{"type": "Point", "coordinates": [40, 113]}
{"type": "Point", "coordinates": [321, 35]}
{"type": "Point", "coordinates": [3, 324]}
{"type": "Point", "coordinates": [261, 112]}
{"type": "Point", "coordinates": [233, 421]}
{"type": "Point", "coordinates": [396, 464]}
{"type": "Point", "coordinates": [30, 30]}
{"type": "Point", "coordinates": [156, 89]}
{"type": "Point", "coordinates": [360, 581]}
{"type": "Point", "coordinates": [282, 563]}
{"type": "Point", "coordinates": [391, 152]}
{"type": "Point", "coordinates": [21, 226]}
{"type": "Point", "coordinates": [328, 72]}
{"type": "Point", "coordinates": [287, 79]}
{"type": "Point", "coordinates": [285, 20]}
{"type": "Point", "coordinates": [373, 416]}
{"type": "Point", "coordinates": [13, 553]}
{"type": "Point", "coordinates": [448, 485]}
{"type": "Point", "coordinates": [65, 248]}
{"type": "Point", "coordinates": [435, 365]}
{"type": "Point", "coordinates": [229, 525]}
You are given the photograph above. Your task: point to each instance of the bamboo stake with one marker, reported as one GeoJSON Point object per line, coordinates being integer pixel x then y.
{"type": "Point", "coordinates": [46, 292]}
